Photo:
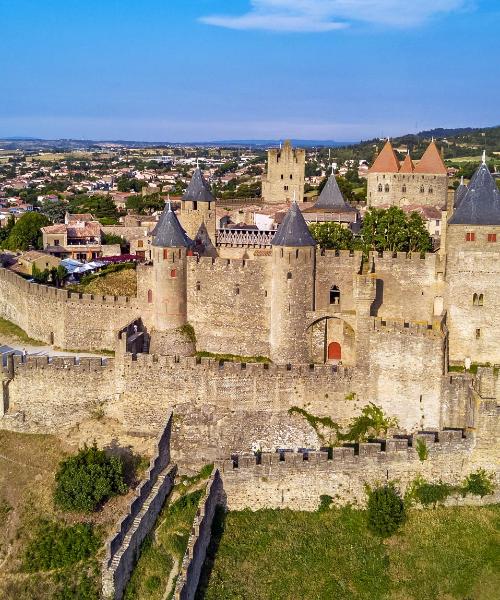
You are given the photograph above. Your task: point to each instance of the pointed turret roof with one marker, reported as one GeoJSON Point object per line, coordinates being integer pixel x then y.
{"type": "Point", "coordinates": [168, 232]}
{"type": "Point", "coordinates": [459, 193]}
{"type": "Point", "coordinates": [331, 197]}
{"type": "Point", "coordinates": [293, 231]}
{"type": "Point", "coordinates": [386, 161]}
{"type": "Point", "coordinates": [480, 205]}
{"type": "Point", "coordinates": [198, 189]}
{"type": "Point", "coordinates": [431, 161]}
{"type": "Point", "coordinates": [407, 166]}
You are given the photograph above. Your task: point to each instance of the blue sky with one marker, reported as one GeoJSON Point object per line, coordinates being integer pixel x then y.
{"type": "Point", "coordinates": [182, 70]}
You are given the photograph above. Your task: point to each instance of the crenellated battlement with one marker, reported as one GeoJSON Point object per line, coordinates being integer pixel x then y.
{"type": "Point", "coordinates": [60, 295]}
{"type": "Point", "coordinates": [403, 448]}
{"type": "Point", "coordinates": [15, 363]}
{"type": "Point", "coordinates": [422, 328]}
{"type": "Point", "coordinates": [144, 361]}
{"type": "Point", "coordinates": [208, 263]}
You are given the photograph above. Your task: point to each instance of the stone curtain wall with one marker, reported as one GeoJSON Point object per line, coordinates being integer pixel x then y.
{"type": "Point", "coordinates": [68, 320]}
{"type": "Point", "coordinates": [291, 481]}
{"type": "Point", "coordinates": [123, 547]}
{"type": "Point", "coordinates": [199, 539]}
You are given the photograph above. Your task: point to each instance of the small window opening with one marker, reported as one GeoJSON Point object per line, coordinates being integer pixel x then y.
{"type": "Point", "coordinates": [334, 295]}
{"type": "Point", "coordinates": [478, 334]}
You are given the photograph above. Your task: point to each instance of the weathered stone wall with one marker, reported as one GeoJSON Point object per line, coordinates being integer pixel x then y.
{"type": "Point", "coordinates": [229, 304]}
{"type": "Point", "coordinates": [290, 481]}
{"type": "Point", "coordinates": [123, 546]}
{"type": "Point", "coordinates": [196, 551]}
{"type": "Point", "coordinates": [284, 178]}
{"type": "Point", "coordinates": [473, 268]}
{"type": "Point", "coordinates": [68, 320]}
{"type": "Point", "coordinates": [397, 196]}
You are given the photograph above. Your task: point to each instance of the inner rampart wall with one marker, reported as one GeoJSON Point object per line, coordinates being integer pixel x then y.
{"type": "Point", "coordinates": [67, 320]}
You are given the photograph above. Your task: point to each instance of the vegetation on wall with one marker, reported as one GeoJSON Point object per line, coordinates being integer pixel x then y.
{"type": "Point", "coordinates": [233, 357]}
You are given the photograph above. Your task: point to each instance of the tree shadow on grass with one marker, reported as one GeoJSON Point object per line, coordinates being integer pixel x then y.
{"type": "Point", "coordinates": [134, 465]}
{"type": "Point", "coordinates": [218, 526]}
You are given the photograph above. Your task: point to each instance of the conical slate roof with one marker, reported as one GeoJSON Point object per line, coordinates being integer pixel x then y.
{"type": "Point", "coordinates": [198, 189]}
{"type": "Point", "coordinates": [293, 231]}
{"type": "Point", "coordinates": [331, 197]}
{"type": "Point", "coordinates": [386, 161]}
{"type": "Point", "coordinates": [168, 232]}
{"type": "Point", "coordinates": [480, 204]}
{"type": "Point", "coordinates": [459, 193]}
{"type": "Point", "coordinates": [431, 161]}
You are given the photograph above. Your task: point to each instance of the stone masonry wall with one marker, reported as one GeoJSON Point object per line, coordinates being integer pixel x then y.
{"type": "Point", "coordinates": [123, 546]}
{"type": "Point", "coordinates": [68, 320]}
{"type": "Point", "coordinates": [297, 480]}
{"type": "Point", "coordinates": [199, 539]}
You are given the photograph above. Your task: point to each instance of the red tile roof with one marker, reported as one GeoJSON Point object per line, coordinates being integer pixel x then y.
{"type": "Point", "coordinates": [431, 161]}
{"type": "Point", "coordinates": [407, 166]}
{"type": "Point", "coordinates": [386, 161]}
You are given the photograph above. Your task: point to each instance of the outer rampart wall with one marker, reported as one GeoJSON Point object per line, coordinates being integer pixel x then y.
{"type": "Point", "coordinates": [199, 539]}
{"type": "Point", "coordinates": [291, 481]}
{"type": "Point", "coordinates": [67, 320]}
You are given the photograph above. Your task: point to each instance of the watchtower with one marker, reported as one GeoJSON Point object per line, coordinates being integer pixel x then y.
{"type": "Point", "coordinates": [198, 210]}
{"type": "Point", "coordinates": [284, 179]}
{"type": "Point", "coordinates": [293, 266]}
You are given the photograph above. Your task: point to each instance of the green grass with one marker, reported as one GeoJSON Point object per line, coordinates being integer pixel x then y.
{"type": "Point", "coordinates": [234, 357]}
{"type": "Point", "coordinates": [11, 330]}
{"type": "Point", "coordinates": [442, 553]}
{"type": "Point", "coordinates": [169, 539]}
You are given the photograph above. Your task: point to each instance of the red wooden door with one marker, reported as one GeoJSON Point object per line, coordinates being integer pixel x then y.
{"type": "Point", "coordinates": [334, 351]}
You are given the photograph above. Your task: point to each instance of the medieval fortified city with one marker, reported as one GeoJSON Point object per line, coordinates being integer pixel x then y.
{"type": "Point", "coordinates": [257, 368]}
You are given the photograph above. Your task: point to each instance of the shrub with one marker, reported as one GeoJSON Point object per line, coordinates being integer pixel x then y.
{"type": "Point", "coordinates": [431, 493]}
{"type": "Point", "coordinates": [386, 510]}
{"type": "Point", "coordinates": [152, 583]}
{"type": "Point", "coordinates": [422, 450]}
{"type": "Point", "coordinates": [325, 502]}
{"type": "Point", "coordinates": [371, 422]}
{"type": "Point", "coordinates": [55, 546]}
{"type": "Point", "coordinates": [480, 483]}
{"type": "Point", "coordinates": [87, 479]}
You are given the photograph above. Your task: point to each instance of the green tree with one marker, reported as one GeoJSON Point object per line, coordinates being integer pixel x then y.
{"type": "Point", "coordinates": [87, 479]}
{"type": "Point", "coordinates": [55, 211]}
{"type": "Point", "coordinates": [332, 235]}
{"type": "Point", "coordinates": [386, 511]}
{"type": "Point", "coordinates": [391, 229]}
{"type": "Point", "coordinates": [27, 232]}
{"type": "Point", "coordinates": [371, 422]}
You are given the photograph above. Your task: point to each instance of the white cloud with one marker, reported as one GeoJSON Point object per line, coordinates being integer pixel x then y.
{"type": "Point", "coordinates": [327, 15]}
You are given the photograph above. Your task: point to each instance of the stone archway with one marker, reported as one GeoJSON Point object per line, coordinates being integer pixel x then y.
{"type": "Point", "coordinates": [331, 339]}
{"type": "Point", "coordinates": [334, 351]}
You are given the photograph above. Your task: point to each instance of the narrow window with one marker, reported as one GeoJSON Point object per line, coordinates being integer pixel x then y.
{"type": "Point", "coordinates": [478, 334]}
{"type": "Point", "coordinates": [165, 254]}
{"type": "Point", "coordinates": [334, 295]}
{"type": "Point", "coordinates": [492, 237]}
{"type": "Point", "coordinates": [286, 188]}
{"type": "Point", "coordinates": [386, 187]}
{"type": "Point", "coordinates": [422, 189]}
{"type": "Point", "coordinates": [281, 175]}
{"type": "Point", "coordinates": [173, 273]}
{"type": "Point", "coordinates": [198, 286]}
{"type": "Point", "coordinates": [150, 296]}
{"type": "Point", "coordinates": [237, 290]}
{"type": "Point", "coordinates": [379, 187]}
{"type": "Point", "coordinates": [288, 275]}
{"type": "Point", "coordinates": [403, 189]}
{"type": "Point", "coordinates": [431, 191]}
{"type": "Point", "coordinates": [474, 300]}
{"type": "Point", "coordinates": [291, 176]}
{"type": "Point", "coordinates": [195, 205]}
{"type": "Point", "coordinates": [470, 236]}
{"type": "Point", "coordinates": [480, 300]}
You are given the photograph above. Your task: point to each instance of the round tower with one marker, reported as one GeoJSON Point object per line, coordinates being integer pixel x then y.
{"type": "Point", "coordinates": [198, 210]}
{"type": "Point", "coordinates": [169, 286]}
{"type": "Point", "coordinates": [293, 268]}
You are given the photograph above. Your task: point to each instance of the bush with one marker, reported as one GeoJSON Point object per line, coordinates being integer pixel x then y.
{"type": "Point", "coordinates": [55, 546]}
{"type": "Point", "coordinates": [422, 450]}
{"type": "Point", "coordinates": [325, 502]}
{"type": "Point", "coordinates": [480, 483]}
{"type": "Point", "coordinates": [431, 493]}
{"type": "Point", "coordinates": [87, 479]}
{"type": "Point", "coordinates": [386, 510]}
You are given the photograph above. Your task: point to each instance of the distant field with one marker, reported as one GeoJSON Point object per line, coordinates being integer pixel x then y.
{"type": "Point", "coordinates": [474, 159]}
{"type": "Point", "coordinates": [54, 156]}
{"type": "Point", "coordinates": [439, 554]}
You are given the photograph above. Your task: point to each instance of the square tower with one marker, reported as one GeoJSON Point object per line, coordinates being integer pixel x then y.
{"type": "Point", "coordinates": [285, 175]}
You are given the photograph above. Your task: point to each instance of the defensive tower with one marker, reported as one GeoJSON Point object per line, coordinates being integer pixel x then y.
{"type": "Point", "coordinates": [293, 266]}
{"type": "Point", "coordinates": [284, 179]}
{"type": "Point", "coordinates": [198, 210]}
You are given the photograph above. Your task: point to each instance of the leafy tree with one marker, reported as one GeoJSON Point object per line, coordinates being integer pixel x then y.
{"type": "Point", "coordinates": [332, 235]}
{"type": "Point", "coordinates": [386, 511]}
{"type": "Point", "coordinates": [55, 211]}
{"type": "Point", "coordinates": [5, 231]}
{"type": "Point", "coordinates": [26, 232]}
{"type": "Point", "coordinates": [128, 184]}
{"type": "Point", "coordinates": [100, 206]}
{"type": "Point", "coordinates": [87, 479]}
{"type": "Point", "coordinates": [391, 229]}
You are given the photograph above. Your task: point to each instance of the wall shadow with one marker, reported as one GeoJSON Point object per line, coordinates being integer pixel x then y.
{"type": "Point", "coordinates": [218, 525]}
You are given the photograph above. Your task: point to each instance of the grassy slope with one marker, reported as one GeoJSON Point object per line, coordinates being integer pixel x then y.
{"type": "Point", "coordinates": [10, 330]}
{"type": "Point", "coordinates": [445, 553]}
{"type": "Point", "coordinates": [120, 283]}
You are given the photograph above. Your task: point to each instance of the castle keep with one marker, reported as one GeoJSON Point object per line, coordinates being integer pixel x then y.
{"type": "Point", "coordinates": [284, 179]}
